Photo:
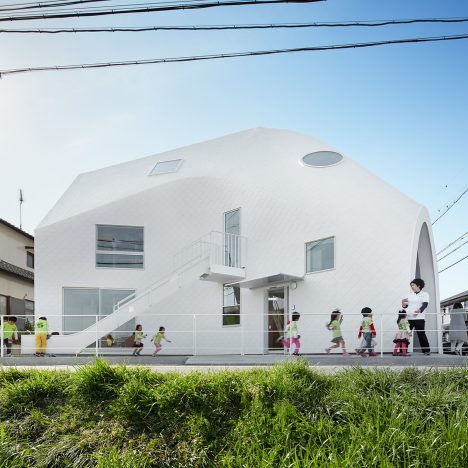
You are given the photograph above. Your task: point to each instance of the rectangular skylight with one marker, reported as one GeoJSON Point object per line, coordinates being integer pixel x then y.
{"type": "Point", "coordinates": [165, 167]}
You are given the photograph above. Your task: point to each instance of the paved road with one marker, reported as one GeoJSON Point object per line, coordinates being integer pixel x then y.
{"type": "Point", "coordinates": [219, 362]}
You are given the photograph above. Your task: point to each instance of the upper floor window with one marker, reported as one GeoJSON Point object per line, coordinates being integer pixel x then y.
{"type": "Point", "coordinates": [119, 246]}
{"type": "Point", "coordinates": [320, 255]}
{"type": "Point", "coordinates": [165, 167]}
{"type": "Point", "coordinates": [30, 259]}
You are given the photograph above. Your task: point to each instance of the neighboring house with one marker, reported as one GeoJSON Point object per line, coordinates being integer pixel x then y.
{"type": "Point", "coordinates": [220, 240]}
{"type": "Point", "coordinates": [16, 272]}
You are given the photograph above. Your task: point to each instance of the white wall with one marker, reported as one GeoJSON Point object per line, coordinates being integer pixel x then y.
{"type": "Point", "coordinates": [283, 206]}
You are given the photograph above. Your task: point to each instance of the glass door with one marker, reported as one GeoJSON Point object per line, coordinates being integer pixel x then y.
{"type": "Point", "coordinates": [231, 238]}
{"type": "Point", "coordinates": [276, 320]}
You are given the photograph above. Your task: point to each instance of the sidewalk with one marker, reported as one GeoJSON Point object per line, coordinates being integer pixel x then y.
{"type": "Point", "coordinates": [219, 362]}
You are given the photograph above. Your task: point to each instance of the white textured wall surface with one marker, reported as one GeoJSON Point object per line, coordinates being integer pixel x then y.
{"type": "Point", "coordinates": [283, 206]}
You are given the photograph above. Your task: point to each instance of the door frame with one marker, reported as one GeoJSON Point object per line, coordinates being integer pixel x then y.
{"type": "Point", "coordinates": [287, 315]}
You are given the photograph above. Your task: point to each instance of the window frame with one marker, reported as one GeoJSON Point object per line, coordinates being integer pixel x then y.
{"type": "Point", "coordinates": [99, 315]}
{"type": "Point", "coordinates": [179, 165]}
{"type": "Point", "coordinates": [30, 255]}
{"type": "Point", "coordinates": [334, 255]}
{"type": "Point", "coordinates": [230, 307]}
{"type": "Point", "coordinates": [119, 252]}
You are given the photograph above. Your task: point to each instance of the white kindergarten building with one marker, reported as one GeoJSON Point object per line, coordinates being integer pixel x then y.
{"type": "Point", "coordinates": [219, 241]}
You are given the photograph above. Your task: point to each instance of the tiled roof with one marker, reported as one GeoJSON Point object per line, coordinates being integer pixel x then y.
{"type": "Point", "coordinates": [16, 271]}
{"type": "Point", "coordinates": [17, 229]}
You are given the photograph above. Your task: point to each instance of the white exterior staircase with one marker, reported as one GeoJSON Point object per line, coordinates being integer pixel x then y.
{"type": "Point", "coordinates": [214, 257]}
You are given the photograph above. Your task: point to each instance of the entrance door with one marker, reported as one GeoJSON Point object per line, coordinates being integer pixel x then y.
{"type": "Point", "coordinates": [276, 310]}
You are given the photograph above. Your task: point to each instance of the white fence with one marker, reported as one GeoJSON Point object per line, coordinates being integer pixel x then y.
{"type": "Point", "coordinates": [199, 334]}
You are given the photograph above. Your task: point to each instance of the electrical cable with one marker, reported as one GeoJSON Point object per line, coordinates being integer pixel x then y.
{"type": "Point", "coordinates": [454, 250]}
{"type": "Point", "coordinates": [169, 6]}
{"type": "Point", "coordinates": [221, 27]}
{"type": "Point", "coordinates": [453, 264]}
{"type": "Point", "coordinates": [229, 55]}
{"type": "Point", "coordinates": [452, 243]}
{"type": "Point", "coordinates": [449, 207]}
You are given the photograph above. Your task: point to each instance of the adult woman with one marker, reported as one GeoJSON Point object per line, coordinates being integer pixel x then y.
{"type": "Point", "coordinates": [457, 329]}
{"type": "Point", "coordinates": [415, 305]}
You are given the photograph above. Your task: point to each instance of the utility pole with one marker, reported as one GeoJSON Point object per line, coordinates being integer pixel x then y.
{"type": "Point", "coordinates": [21, 200]}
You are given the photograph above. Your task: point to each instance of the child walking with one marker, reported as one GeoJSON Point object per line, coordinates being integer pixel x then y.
{"type": "Point", "coordinates": [138, 336]}
{"type": "Point", "coordinates": [10, 333]}
{"type": "Point", "coordinates": [403, 335]}
{"type": "Point", "coordinates": [334, 325]}
{"type": "Point", "coordinates": [157, 340]}
{"type": "Point", "coordinates": [367, 331]}
{"type": "Point", "coordinates": [292, 334]}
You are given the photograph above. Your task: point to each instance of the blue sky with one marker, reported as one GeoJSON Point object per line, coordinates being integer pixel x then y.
{"type": "Point", "coordinates": [401, 111]}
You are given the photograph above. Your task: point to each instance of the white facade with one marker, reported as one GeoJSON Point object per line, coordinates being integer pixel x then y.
{"type": "Point", "coordinates": [378, 233]}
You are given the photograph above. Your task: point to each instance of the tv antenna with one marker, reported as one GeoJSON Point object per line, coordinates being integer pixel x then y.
{"type": "Point", "coordinates": [21, 200]}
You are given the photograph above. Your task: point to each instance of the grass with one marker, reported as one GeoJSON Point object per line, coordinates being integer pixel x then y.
{"type": "Point", "coordinates": [287, 416]}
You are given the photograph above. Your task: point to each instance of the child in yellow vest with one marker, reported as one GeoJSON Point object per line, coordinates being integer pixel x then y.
{"type": "Point", "coordinates": [42, 330]}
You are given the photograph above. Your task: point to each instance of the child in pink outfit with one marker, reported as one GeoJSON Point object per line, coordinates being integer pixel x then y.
{"type": "Point", "coordinates": [292, 334]}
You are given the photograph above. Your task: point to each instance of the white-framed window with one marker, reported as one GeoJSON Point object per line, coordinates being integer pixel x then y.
{"type": "Point", "coordinates": [119, 246]}
{"type": "Point", "coordinates": [231, 305]}
{"type": "Point", "coordinates": [166, 167]}
{"type": "Point", "coordinates": [82, 306]}
{"type": "Point", "coordinates": [320, 255]}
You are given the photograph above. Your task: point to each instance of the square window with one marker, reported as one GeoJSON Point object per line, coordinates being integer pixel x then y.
{"type": "Point", "coordinates": [320, 255]}
{"type": "Point", "coordinates": [165, 167]}
{"type": "Point", "coordinates": [119, 247]}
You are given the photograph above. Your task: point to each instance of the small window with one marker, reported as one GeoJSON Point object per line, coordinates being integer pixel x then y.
{"type": "Point", "coordinates": [165, 167]}
{"type": "Point", "coordinates": [320, 255]}
{"type": "Point", "coordinates": [30, 259]}
{"type": "Point", "coordinates": [322, 159]}
{"type": "Point", "coordinates": [231, 305]}
{"type": "Point", "coordinates": [119, 246]}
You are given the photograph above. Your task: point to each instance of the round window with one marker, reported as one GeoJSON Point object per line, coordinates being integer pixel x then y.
{"type": "Point", "coordinates": [322, 159]}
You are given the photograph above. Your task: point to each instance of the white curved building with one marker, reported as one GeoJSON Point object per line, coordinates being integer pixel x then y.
{"type": "Point", "coordinates": [250, 210]}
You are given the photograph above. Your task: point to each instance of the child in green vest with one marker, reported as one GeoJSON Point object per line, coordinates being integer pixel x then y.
{"type": "Point", "coordinates": [157, 340]}
{"type": "Point", "coordinates": [402, 338]}
{"type": "Point", "coordinates": [334, 325]}
{"type": "Point", "coordinates": [367, 331]}
{"type": "Point", "coordinates": [41, 330]}
{"type": "Point", "coordinates": [10, 333]}
{"type": "Point", "coordinates": [138, 336]}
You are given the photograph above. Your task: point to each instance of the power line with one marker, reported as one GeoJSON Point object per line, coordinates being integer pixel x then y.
{"type": "Point", "coordinates": [146, 8]}
{"type": "Point", "coordinates": [452, 243]}
{"type": "Point", "coordinates": [449, 207]}
{"type": "Point", "coordinates": [53, 4]}
{"type": "Point", "coordinates": [229, 55]}
{"type": "Point", "coordinates": [217, 27]}
{"type": "Point", "coordinates": [453, 264]}
{"type": "Point", "coordinates": [454, 250]}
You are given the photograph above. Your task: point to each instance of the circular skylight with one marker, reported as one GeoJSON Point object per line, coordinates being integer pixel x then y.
{"type": "Point", "coordinates": [322, 159]}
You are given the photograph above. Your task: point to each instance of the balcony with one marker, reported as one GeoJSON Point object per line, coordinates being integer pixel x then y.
{"type": "Point", "coordinates": [225, 255]}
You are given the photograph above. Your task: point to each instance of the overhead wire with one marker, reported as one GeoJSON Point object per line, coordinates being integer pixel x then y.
{"type": "Point", "coordinates": [221, 27]}
{"type": "Point", "coordinates": [452, 243]}
{"type": "Point", "coordinates": [231, 55]}
{"type": "Point", "coordinates": [145, 8]}
{"type": "Point", "coordinates": [450, 206]}
{"type": "Point", "coordinates": [453, 264]}
{"type": "Point", "coordinates": [49, 5]}
{"type": "Point", "coordinates": [454, 250]}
